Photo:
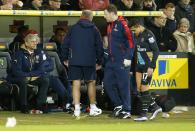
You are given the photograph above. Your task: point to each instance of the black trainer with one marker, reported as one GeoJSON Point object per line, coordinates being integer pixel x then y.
{"type": "Point", "coordinates": [69, 109]}
{"type": "Point", "coordinates": [155, 112]}
{"type": "Point", "coordinates": [24, 109]}
{"type": "Point", "coordinates": [43, 109]}
{"type": "Point", "coordinates": [141, 118]}
{"type": "Point", "coordinates": [124, 115]}
{"type": "Point", "coordinates": [116, 111]}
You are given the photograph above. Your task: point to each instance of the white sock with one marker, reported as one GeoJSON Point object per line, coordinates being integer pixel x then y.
{"type": "Point", "coordinates": [93, 106]}
{"type": "Point", "coordinates": [77, 106]}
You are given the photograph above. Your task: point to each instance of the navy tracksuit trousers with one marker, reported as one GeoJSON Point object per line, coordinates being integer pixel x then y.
{"type": "Point", "coordinates": [117, 84]}
{"type": "Point", "coordinates": [63, 91]}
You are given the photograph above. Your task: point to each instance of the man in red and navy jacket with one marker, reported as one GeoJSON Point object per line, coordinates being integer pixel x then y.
{"type": "Point", "coordinates": [116, 75]}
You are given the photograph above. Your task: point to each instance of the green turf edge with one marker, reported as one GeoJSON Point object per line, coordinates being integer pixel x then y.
{"type": "Point", "coordinates": [107, 127]}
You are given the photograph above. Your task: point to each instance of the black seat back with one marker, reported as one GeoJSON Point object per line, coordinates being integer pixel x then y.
{"type": "Point", "coordinates": [51, 49]}
{"type": "Point", "coordinates": [5, 61]}
{"type": "Point", "coordinates": [8, 92]}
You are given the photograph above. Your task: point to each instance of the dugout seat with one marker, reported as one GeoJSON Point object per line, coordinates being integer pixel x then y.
{"type": "Point", "coordinates": [58, 69]}
{"type": "Point", "coordinates": [51, 49]}
{"type": "Point", "coordinates": [7, 90]}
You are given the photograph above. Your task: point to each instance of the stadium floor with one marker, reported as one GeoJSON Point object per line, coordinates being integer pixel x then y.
{"type": "Point", "coordinates": [47, 122]}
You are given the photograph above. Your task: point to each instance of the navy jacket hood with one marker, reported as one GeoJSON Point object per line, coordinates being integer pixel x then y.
{"type": "Point", "coordinates": [85, 23]}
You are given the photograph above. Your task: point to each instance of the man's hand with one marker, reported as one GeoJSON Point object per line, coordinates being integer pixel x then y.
{"type": "Point", "coordinates": [150, 71]}
{"type": "Point", "coordinates": [127, 62]}
{"type": "Point", "coordinates": [17, 2]}
{"type": "Point", "coordinates": [32, 78]}
{"type": "Point", "coordinates": [66, 63]}
{"type": "Point", "coordinates": [98, 67]}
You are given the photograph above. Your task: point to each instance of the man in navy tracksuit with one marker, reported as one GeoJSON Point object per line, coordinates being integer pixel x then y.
{"type": "Point", "coordinates": [59, 84]}
{"type": "Point", "coordinates": [28, 67]}
{"type": "Point", "coordinates": [116, 75]}
{"type": "Point", "coordinates": [83, 52]}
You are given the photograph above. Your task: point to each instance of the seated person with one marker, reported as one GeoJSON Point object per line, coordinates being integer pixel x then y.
{"type": "Point", "coordinates": [185, 41]}
{"type": "Point", "coordinates": [169, 11]}
{"type": "Point", "coordinates": [148, 5]}
{"type": "Point", "coordinates": [58, 38]}
{"type": "Point", "coordinates": [161, 30]}
{"type": "Point", "coordinates": [28, 67]}
{"type": "Point", "coordinates": [70, 5]}
{"type": "Point", "coordinates": [127, 5]}
{"type": "Point", "coordinates": [53, 5]}
{"type": "Point", "coordinates": [185, 10]}
{"type": "Point", "coordinates": [33, 5]}
{"type": "Point", "coordinates": [95, 5]}
{"type": "Point", "coordinates": [10, 5]}
{"type": "Point", "coordinates": [18, 39]}
{"type": "Point", "coordinates": [64, 92]}
{"type": "Point", "coordinates": [59, 82]}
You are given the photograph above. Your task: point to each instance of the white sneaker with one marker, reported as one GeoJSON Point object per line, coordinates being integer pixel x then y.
{"type": "Point", "coordinates": [11, 122]}
{"type": "Point", "coordinates": [95, 112]}
{"type": "Point", "coordinates": [155, 113]}
{"type": "Point", "coordinates": [36, 112]}
{"type": "Point", "coordinates": [77, 113]}
{"type": "Point", "coordinates": [141, 118]}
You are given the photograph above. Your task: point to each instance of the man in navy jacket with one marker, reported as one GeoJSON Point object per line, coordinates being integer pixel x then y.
{"type": "Point", "coordinates": [28, 67]}
{"type": "Point", "coordinates": [83, 52]}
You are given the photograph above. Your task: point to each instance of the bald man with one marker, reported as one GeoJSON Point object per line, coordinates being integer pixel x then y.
{"type": "Point", "coordinates": [83, 51]}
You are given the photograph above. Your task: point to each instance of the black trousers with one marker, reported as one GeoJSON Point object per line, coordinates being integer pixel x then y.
{"type": "Point", "coordinates": [41, 82]}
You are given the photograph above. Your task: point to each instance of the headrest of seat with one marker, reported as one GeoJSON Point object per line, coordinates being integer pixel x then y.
{"type": "Point", "coordinates": [3, 46]}
{"type": "Point", "coordinates": [50, 46]}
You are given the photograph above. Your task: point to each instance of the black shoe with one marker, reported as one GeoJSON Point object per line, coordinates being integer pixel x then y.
{"type": "Point", "coordinates": [24, 109]}
{"type": "Point", "coordinates": [124, 115]}
{"type": "Point", "coordinates": [69, 109]}
{"type": "Point", "coordinates": [141, 118]}
{"type": "Point", "coordinates": [155, 112]}
{"type": "Point", "coordinates": [43, 109]}
{"type": "Point", "coordinates": [116, 111]}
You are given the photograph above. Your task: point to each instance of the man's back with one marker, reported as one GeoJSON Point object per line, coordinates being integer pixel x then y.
{"type": "Point", "coordinates": [83, 41]}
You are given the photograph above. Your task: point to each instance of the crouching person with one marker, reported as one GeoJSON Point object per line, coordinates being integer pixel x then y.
{"type": "Point", "coordinates": [28, 68]}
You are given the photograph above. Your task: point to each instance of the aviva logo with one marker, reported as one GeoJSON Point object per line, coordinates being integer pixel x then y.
{"type": "Point", "coordinates": [163, 67]}
{"type": "Point", "coordinates": [163, 80]}
{"type": "Point", "coordinates": [170, 74]}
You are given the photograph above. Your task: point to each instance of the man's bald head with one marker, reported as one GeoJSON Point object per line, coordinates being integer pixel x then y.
{"type": "Point", "coordinates": [87, 14]}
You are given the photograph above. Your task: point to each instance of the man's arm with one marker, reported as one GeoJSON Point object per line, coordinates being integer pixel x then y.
{"type": "Point", "coordinates": [66, 47]}
{"type": "Point", "coordinates": [17, 66]}
{"type": "Point", "coordinates": [130, 40]}
{"type": "Point", "coordinates": [99, 47]}
{"type": "Point", "coordinates": [154, 47]}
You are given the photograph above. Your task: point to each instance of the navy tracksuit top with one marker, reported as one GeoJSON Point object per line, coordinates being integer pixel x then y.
{"type": "Point", "coordinates": [120, 40]}
{"type": "Point", "coordinates": [29, 65]}
{"type": "Point", "coordinates": [83, 44]}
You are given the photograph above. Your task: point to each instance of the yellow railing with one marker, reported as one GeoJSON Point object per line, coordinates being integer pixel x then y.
{"type": "Point", "coordinates": [73, 13]}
